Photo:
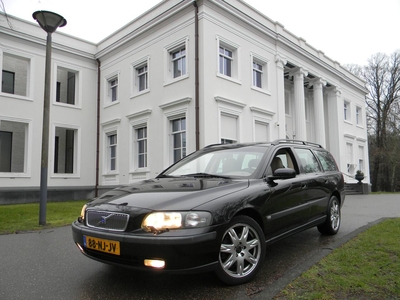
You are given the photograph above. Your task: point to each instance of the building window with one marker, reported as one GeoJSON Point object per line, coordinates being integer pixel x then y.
{"type": "Point", "coordinates": [112, 152]}
{"type": "Point", "coordinates": [349, 158]}
{"type": "Point", "coordinates": [229, 129]}
{"type": "Point", "coordinates": [228, 60]}
{"type": "Point", "coordinates": [141, 139]}
{"type": "Point", "coordinates": [142, 78]}
{"type": "Point", "coordinates": [261, 131]}
{"type": "Point", "coordinates": [346, 111]}
{"type": "Point", "coordinates": [227, 141]}
{"type": "Point", "coordinates": [178, 131]}
{"type": "Point", "coordinates": [358, 116]}
{"type": "Point", "coordinates": [15, 75]}
{"type": "Point", "coordinates": [257, 74]}
{"type": "Point", "coordinates": [361, 158]}
{"type": "Point", "coordinates": [178, 59]}
{"type": "Point", "coordinates": [111, 89]}
{"type": "Point", "coordinates": [8, 82]}
{"type": "Point", "coordinates": [5, 151]}
{"type": "Point", "coordinates": [225, 61]}
{"type": "Point", "coordinates": [66, 89]}
{"type": "Point", "coordinates": [65, 150]}
{"type": "Point", "coordinates": [259, 67]}
{"type": "Point", "coordinates": [12, 146]}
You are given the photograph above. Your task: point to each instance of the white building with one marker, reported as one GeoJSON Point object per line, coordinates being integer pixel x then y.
{"type": "Point", "coordinates": [254, 81]}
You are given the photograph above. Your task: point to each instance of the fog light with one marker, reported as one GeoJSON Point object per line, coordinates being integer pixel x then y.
{"type": "Point", "coordinates": [154, 263]}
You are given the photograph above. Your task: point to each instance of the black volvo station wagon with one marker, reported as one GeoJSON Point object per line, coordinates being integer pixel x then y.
{"type": "Point", "coordinates": [215, 210]}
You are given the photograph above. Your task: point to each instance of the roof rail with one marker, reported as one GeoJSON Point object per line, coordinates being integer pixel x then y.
{"type": "Point", "coordinates": [212, 145]}
{"type": "Point", "coordinates": [282, 141]}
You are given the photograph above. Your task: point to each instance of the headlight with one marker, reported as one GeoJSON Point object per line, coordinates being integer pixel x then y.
{"type": "Point", "coordinates": [162, 221]}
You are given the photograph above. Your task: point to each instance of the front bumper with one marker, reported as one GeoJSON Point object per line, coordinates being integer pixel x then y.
{"type": "Point", "coordinates": [186, 253]}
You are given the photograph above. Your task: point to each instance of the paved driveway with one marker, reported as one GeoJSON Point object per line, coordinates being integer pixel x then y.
{"type": "Point", "coordinates": [47, 264]}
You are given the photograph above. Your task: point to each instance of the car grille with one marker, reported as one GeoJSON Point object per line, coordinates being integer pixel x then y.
{"type": "Point", "coordinates": [107, 220]}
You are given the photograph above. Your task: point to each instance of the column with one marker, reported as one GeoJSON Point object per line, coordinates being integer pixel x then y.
{"type": "Point", "coordinates": [319, 119]}
{"type": "Point", "coordinates": [299, 104]}
{"type": "Point", "coordinates": [280, 92]}
{"type": "Point", "coordinates": [335, 128]}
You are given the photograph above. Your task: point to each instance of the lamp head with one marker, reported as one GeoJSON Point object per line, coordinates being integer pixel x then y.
{"type": "Point", "coordinates": [48, 20]}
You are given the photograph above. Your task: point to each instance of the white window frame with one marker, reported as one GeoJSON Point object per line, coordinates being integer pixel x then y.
{"type": "Point", "coordinates": [135, 88]}
{"type": "Point", "coordinates": [138, 141]}
{"type": "Point", "coordinates": [262, 117]}
{"type": "Point", "coordinates": [347, 111]}
{"type": "Point", "coordinates": [264, 63]}
{"type": "Point", "coordinates": [175, 110]}
{"type": "Point", "coordinates": [27, 149]}
{"type": "Point", "coordinates": [235, 68]}
{"type": "Point", "coordinates": [182, 43]}
{"type": "Point", "coordinates": [108, 89]}
{"type": "Point", "coordinates": [361, 159]}
{"type": "Point", "coordinates": [231, 108]}
{"type": "Point", "coordinates": [350, 157]}
{"type": "Point", "coordinates": [359, 118]}
{"type": "Point", "coordinates": [110, 177]}
{"type": "Point", "coordinates": [77, 151]}
{"type": "Point", "coordinates": [175, 133]}
{"type": "Point", "coordinates": [78, 85]}
{"type": "Point", "coordinates": [138, 120]}
{"type": "Point", "coordinates": [110, 146]}
{"type": "Point", "coordinates": [30, 71]}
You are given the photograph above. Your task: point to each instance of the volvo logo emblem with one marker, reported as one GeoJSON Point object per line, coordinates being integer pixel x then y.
{"type": "Point", "coordinates": [103, 220]}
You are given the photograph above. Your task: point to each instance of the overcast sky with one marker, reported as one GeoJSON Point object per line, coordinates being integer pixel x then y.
{"type": "Point", "coordinates": [348, 31]}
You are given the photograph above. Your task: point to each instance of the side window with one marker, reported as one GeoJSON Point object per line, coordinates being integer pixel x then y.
{"type": "Point", "coordinates": [327, 161]}
{"type": "Point", "coordinates": [307, 160]}
{"type": "Point", "coordinates": [283, 159]}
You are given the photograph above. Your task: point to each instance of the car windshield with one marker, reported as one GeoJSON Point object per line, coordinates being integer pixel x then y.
{"type": "Point", "coordinates": [238, 162]}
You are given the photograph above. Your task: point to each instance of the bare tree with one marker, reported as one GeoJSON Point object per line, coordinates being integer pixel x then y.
{"type": "Point", "coordinates": [382, 76]}
{"type": "Point", "coordinates": [3, 9]}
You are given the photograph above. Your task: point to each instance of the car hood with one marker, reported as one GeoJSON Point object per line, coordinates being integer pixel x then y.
{"type": "Point", "coordinates": [170, 193]}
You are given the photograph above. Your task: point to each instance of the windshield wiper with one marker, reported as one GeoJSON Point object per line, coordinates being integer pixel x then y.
{"type": "Point", "coordinates": [205, 175]}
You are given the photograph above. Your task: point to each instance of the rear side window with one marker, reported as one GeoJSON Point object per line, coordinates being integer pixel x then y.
{"type": "Point", "coordinates": [307, 160]}
{"type": "Point", "coordinates": [327, 161]}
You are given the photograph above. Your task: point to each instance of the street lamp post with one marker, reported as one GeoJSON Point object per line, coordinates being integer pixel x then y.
{"type": "Point", "coordinates": [49, 22]}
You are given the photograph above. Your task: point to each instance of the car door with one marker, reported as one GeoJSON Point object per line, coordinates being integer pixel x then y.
{"type": "Point", "coordinates": [316, 194]}
{"type": "Point", "coordinates": [284, 208]}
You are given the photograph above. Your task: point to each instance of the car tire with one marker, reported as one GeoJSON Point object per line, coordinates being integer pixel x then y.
{"type": "Point", "coordinates": [333, 220]}
{"type": "Point", "coordinates": [242, 251]}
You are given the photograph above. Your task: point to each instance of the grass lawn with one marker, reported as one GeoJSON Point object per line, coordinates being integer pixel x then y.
{"type": "Point", "coordinates": [25, 217]}
{"type": "Point", "coordinates": [367, 267]}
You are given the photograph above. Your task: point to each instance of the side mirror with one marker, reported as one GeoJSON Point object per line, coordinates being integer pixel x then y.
{"type": "Point", "coordinates": [282, 173]}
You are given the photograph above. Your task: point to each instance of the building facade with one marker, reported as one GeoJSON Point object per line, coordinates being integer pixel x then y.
{"type": "Point", "coordinates": [183, 75]}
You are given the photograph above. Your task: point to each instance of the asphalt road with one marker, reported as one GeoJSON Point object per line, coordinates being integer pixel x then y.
{"type": "Point", "coordinates": [47, 264]}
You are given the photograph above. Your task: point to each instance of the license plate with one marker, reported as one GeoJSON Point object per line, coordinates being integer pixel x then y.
{"type": "Point", "coordinates": [107, 246]}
